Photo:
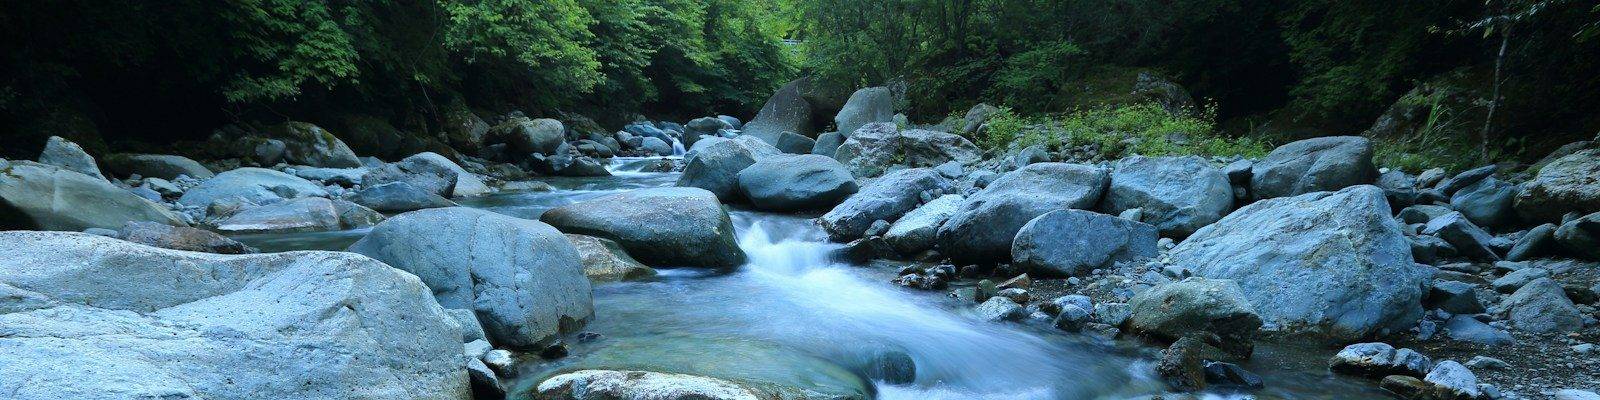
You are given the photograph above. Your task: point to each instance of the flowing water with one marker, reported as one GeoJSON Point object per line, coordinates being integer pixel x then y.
{"type": "Point", "coordinates": [795, 316]}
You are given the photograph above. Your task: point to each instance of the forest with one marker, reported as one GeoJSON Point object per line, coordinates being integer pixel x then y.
{"type": "Point", "coordinates": [1519, 75]}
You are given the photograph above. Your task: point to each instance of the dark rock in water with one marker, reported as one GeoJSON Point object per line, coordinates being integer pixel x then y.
{"type": "Point", "coordinates": [827, 144]}
{"type": "Point", "coordinates": [398, 197]}
{"type": "Point", "coordinates": [1072, 318]}
{"type": "Point", "coordinates": [1178, 195]}
{"type": "Point", "coordinates": [1487, 202]}
{"type": "Point", "coordinates": [1074, 242]}
{"type": "Point", "coordinates": [887, 199]}
{"type": "Point", "coordinates": [485, 384]}
{"type": "Point", "coordinates": [1581, 236]}
{"type": "Point", "coordinates": [680, 227]}
{"type": "Point", "coordinates": [47, 197]}
{"type": "Point", "coordinates": [1466, 237]}
{"type": "Point", "coordinates": [1565, 185]}
{"type": "Point", "coordinates": [1215, 306]}
{"type": "Point", "coordinates": [180, 238]}
{"type": "Point", "coordinates": [64, 153]}
{"type": "Point", "coordinates": [1182, 365]}
{"type": "Point", "coordinates": [1313, 165]}
{"type": "Point", "coordinates": [1343, 242]}
{"type": "Point", "coordinates": [1405, 387]}
{"type": "Point", "coordinates": [983, 229]}
{"type": "Point", "coordinates": [1374, 360]}
{"type": "Point", "coordinates": [714, 165]}
{"type": "Point", "coordinates": [1537, 242]}
{"type": "Point", "coordinates": [892, 367]}
{"type": "Point", "coordinates": [554, 351]}
{"type": "Point", "coordinates": [1542, 306]}
{"type": "Point", "coordinates": [1231, 375]}
{"type": "Point", "coordinates": [1467, 178]}
{"type": "Point", "coordinates": [802, 182]}
{"type": "Point", "coordinates": [1453, 297]}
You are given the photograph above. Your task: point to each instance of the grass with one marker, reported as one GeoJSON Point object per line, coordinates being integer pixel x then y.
{"type": "Point", "coordinates": [1120, 130]}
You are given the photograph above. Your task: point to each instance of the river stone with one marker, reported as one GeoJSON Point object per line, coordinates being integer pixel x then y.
{"type": "Point", "coordinates": [714, 165]}
{"type": "Point", "coordinates": [1173, 310]}
{"type": "Point", "coordinates": [1468, 329]}
{"type": "Point", "coordinates": [1466, 178]}
{"type": "Point", "coordinates": [604, 260]}
{"type": "Point", "coordinates": [1178, 195]}
{"type": "Point", "coordinates": [345, 177]}
{"type": "Point", "coordinates": [786, 111]}
{"type": "Point", "coordinates": [1333, 262]}
{"type": "Point", "coordinates": [885, 199]}
{"type": "Point", "coordinates": [794, 143]}
{"type": "Point", "coordinates": [47, 197]}
{"type": "Point", "coordinates": [466, 183]}
{"type": "Point", "coordinates": [641, 385]}
{"type": "Point", "coordinates": [1519, 278]}
{"type": "Point", "coordinates": [1000, 308]}
{"type": "Point", "coordinates": [255, 185]}
{"type": "Point", "coordinates": [880, 147]}
{"type": "Point", "coordinates": [1581, 236]}
{"type": "Point", "coordinates": [398, 197]}
{"type": "Point", "coordinates": [308, 214]}
{"type": "Point", "coordinates": [92, 317]}
{"type": "Point", "coordinates": [1421, 213]}
{"type": "Point", "coordinates": [1575, 394]}
{"type": "Point", "coordinates": [156, 165]}
{"type": "Point", "coordinates": [916, 231]}
{"type": "Point", "coordinates": [758, 148]}
{"type": "Point", "coordinates": [680, 227]}
{"type": "Point", "coordinates": [1375, 360]}
{"type": "Point", "coordinates": [1537, 242]}
{"type": "Point", "coordinates": [308, 144]}
{"type": "Point", "coordinates": [868, 105]}
{"type": "Point", "coordinates": [523, 136]}
{"type": "Point", "coordinates": [180, 238]}
{"type": "Point", "coordinates": [983, 229]}
{"type": "Point", "coordinates": [1313, 165]}
{"type": "Point", "coordinates": [1468, 239]}
{"type": "Point", "coordinates": [1565, 185]}
{"type": "Point", "coordinates": [1074, 242]}
{"type": "Point", "coordinates": [1542, 307]}
{"type": "Point", "coordinates": [733, 122]}
{"type": "Point", "coordinates": [827, 144]}
{"type": "Point", "coordinates": [1453, 297]}
{"type": "Point", "coordinates": [522, 277]}
{"type": "Point", "coordinates": [791, 183]}
{"type": "Point", "coordinates": [1486, 203]}
{"type": "Point", "coordinates": [703, 127]}
{"type": "Point", "coordinates": [1451, 380]}
{"type": "Point", "coordinates": [64, 153]}
{"type": "Point", "coordinates": [655, 146]}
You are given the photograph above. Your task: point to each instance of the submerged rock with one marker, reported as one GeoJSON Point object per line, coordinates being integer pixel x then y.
{"type": "Point", "coordinates": [679, 227]}
{"type": "Point", "coordinates": [41, 196]}
{"type": "Point", "coordinates": [641, 385]}
{"type": "Point", "coordinates": [983, 229]}
{"type": "Point", "coordinates": [1074, 242]}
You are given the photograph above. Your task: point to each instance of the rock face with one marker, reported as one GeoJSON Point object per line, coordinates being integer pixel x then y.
{"type": "Point", "coordinates": [641, 385]}
{"type": "Point", "coordinates": [1313, 165]}
{"type": "Point", "coordinates": [916, 231]}
{"type": "Point", "coordinates": [786, 111]}
{"type": "Point", "coordinates": [156, 165]}
{"type": "Point", "coordinates": [308, 144]}
{"type": "Point", "coordinates": [180, 238]}
{"type": "Point", "coordinates": [255, 185]}
{"type": "Point", "coordinates": [523, 136]}
{"type": "Point", "coordinates": [64, 153]}
{"type": "Point", "coordinates": [398, 197]}
{"type": "Point", "coordinates": [886, 198]}
{"type": "Point", "coordinates": [679, 227]}
{"type": "Point", "coordinates": [103, 318]}
{"type": "Point", "coordinates": [1331, 262]}
{"type": "Point", "coordinates": [801, 182]}
{"type": "Point", "coordinates": [40, 196]}
{"type": "Point", "coordinates": [521, 277]}
{"type": "Point", "coordinates": [873, 104]}
{"type": "Point", "coordinates": [1566, 185]}
{"type": "Point", "coordinates": [1541, 306]}
{"type": "Point", "coordinates": [1178, 195]}
{"type": "Point", "coordinates": [875, 148]}
{"type": "Point", "coordinates": [309, 214]}
{"type": "Point", "coordinates": [604, 260]}
{"type": "Point", "coordinates": [1074, 242]}
{"type": "Point", "coordinates": [714, 165]}
{"type": "Point", "coordinates": [983, 229]}
{"type": "Point", "coordinates": [1173, 310]}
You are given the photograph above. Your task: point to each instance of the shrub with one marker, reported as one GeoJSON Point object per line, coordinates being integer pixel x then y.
{"type": "Point", "coordinates": [1144, 129]}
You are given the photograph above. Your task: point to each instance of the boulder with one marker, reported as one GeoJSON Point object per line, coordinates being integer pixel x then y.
{"type": "Point", "coordinates": [1467, 238]}
{"type": "Point", "coordinates": [655, 146]}
{"type": "Point", "coordinates": [733, 123]}
{"type": "Point", "coordinates": [1517, 279]}
{"type": "Point", "coordinates": [1542, 307]}
{"type": "Point", "coordinates": [865, 106]}
{"type": "Point", "coordinates": [791, 183]}
{"type": "Point", "coordinates": [642, 385]}
{"type": "Point", "coordinates": [1333, 263]}
{"type": "Point", "coordinates": [1453, 297]}
{"type": "Point", "coordinates": [1313, 165]}
{"type": "Point", "coordinates": [886, 199]}
{"type": "Point", "coordinates": [1565, 185]}
{"type": "Point", "coordinates": [64, 153]}
{"type": "Point", "coordinates": [794, 143]}
{"type": "Point", "coordinates": [1581, 236]}
{"type": "Point", "coordinates": [1466, 178]}
{"type": "Point", "coordinates": [1178, 195]}
{"type": "Point", "coordinates": [435, 182]}
{"type": "Point", "coordinates": [398, 197]}
{"type": "Point", "coordinates": [827, 144]}
{"type": "Point", "coordinates": [523, 136]}
{"type": "Point", "coordinates": [156, 165]}
{"type": "Point", "coordinates": [522, 278]}
{"type": "Point", "coordinates": [344, 177]}
{"type": "Point", "coordinates": [1468, 329]}
{"type": "Point", "coordinates": [604, 260]}
{"type": "Point", "coordinates": [1375, 360]}
{"type": "Point", "coordinates": [880, 147]}
{"type": "Point", "coordinates": [180, 238]}
{"type": "Point", "coordinates": [786, 111]}
{"type": "Point", "coordinates": [1451, 380]}
{"type": "Point", "coordinates": [1537, 242]}
{"type": "Point", "coordinates": [308, 144]}
{"type": "Point", "coordinates": [983, 229]}
{"type": "Point", "coordinates": [103, 318]}
{"type": "Point", "coordinates": [714, 165]}
{"type": "Point", "coordinates": [1075, 242]}
{"type": "Point", "coordinates": [680, 227]}
{"type": "Point", "coordinates": [466, 183]}
{"type": "Point", "coordinates": [254, 185]}
{"type": "Point", "coordinates": [704, 127]}
{"type": "Point", "coordinates": [1486, 203]}
{"type": "Point", "coordinates": [1216, 306]}
{"type": "Point", "coordinates": [308, 214]}
{"type": "Point", "coordinates": [916, 231]}
{"type": "Point", "coordinates": [1000, 308]}
{"type": "Point", "coordinates": [47, 197]}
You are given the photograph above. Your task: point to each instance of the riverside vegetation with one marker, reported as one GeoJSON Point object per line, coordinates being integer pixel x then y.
{"type": "Point", "coordinates": [936, 199]}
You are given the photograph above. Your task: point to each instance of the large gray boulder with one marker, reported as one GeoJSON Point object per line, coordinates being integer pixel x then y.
{"type": "Point", "coordinates": [1566, 185]}
{"type": "Point", "coordinates": [306, 214]}
{"type": "Point", "coordinates": [798, 182]}
{"type": "Point", "coordinates": [917, 230]}
{"type": "Point", "coordinates": [162, 166]}
{"type": "Point", "coordinates": [868, 105]}
{"type": "Point", "coordinates": [1178, 195]}
{"type": "Point", "coordinates": [1171, 311]}
{"type": "Point", "coordinates": [1542, 307]}
{"type": "Point", "coordinates": [308, 144]}
{"type": "Point", "coordinates": [827, 143]}
{"type": "Point", "coordinates": [786, 111]}
{"type": "Point", "coordinates": [886, 198]}
{"type": "Point", "coordinates": [1581, 236]}
{"type": "Point", "coordinates": [1487, 202]}
{"type": "Point", "coordinates": [794, 143]}
{"type": "Point", "coordinates": [255, 185]}
{"type": "Point", "coordinates": [714, 165]}
{"type": "Point", "coordinates": [47, 197]}
{"type": "Point", "coordinates": [678, 227]}
{"type": "Point", "coordinates": [466, 183]}
{"type": "Point", "coordinates": [521, 277]}
{"type": "Point", "coordinates": [523, 136]}
{"type": "Point", "coordinates": [398, 197]}
{"type": "Point", "coordinates": [591, 384]}
{"type": "Point", "coordinates": [1313, 165]}
{"type": "Point", "coordinates": [89, 317]}
{"type": "Point", "coordinates": [1467, 238]}
{"type": "Point", "coordinates": [1075, 242]}
{"type": "Point", "coordinates": [64, 153]}
{"type": "Point", "coordinates": [1333, 263]}
{"type": "Point", "coordinates": [983, 229]}
{"type": "Point", "coordinates": [879, 147]}
{"type": "Point", "coordinates": [702, 128]}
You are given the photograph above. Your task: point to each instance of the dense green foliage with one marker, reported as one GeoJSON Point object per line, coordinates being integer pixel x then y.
{"type": "Point", "coordinates": [1115, 131]}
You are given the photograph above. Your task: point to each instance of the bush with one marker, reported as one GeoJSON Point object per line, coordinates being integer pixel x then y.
{"type": "Point", "coordinates": [1143, 129]}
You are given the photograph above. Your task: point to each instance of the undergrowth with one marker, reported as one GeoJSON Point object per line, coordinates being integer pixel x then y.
{"type": "Point", "coordinates": [1143, 129]}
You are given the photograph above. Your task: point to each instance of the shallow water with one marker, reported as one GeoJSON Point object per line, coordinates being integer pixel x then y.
{"type": "Point", "coordinates": [795, 316]}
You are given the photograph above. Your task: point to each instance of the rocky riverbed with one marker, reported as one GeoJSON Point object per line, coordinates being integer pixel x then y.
{"type": "Point", "coordinates": [721, 260]}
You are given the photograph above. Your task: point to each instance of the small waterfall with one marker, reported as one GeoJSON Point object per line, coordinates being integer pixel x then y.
{"type": "Point", "coordinates": [677, 147]}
